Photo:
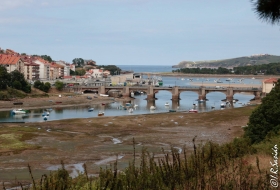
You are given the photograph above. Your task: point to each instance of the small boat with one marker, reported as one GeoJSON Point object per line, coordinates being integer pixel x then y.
{"type": "Point", "coordinates": [152, 108]}
{"type": "Point", "coordinates": [135, 106]}
{"type": "Point", "coordinates": [253, 78]}
{"type": "Point", "coordinates": [127, 104]}
{"type": "Point", "coordinates": [223, 105]}
{"type": "Point", "coordinates": [193, 111]}
{"type": "Point", "coordinates": [182, 78]}
{"type": "Point", "coordinates": [201, 101]}
{"type": "Point", "coordinates": [172, 110]}
{"type": "Point", "coordinates": [130, 110]}
{"type": "Point", "coordinates": [100, 113]}
{"type": "Point", "coordinates": [19, 111]}
{"type": "Point", "coordinates": [18, 103]}
{"type": "Point", "coordinates": [45, 118]}
{"type": "Point", "coordinates": [104, 95]}
{"type": "Point", "coordinates": [90, 109]}
{"type": "Point", "coordinates": [103, 104]}
{"type": "Point", "coordinates": [166, 104]}
{"type": "Point", "coordinates": [46, 114]}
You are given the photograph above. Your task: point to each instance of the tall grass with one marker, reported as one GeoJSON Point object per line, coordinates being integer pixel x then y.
{"type": "Point", "coordinates": [210, 166]}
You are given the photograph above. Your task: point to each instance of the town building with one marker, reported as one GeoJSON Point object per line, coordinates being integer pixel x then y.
{"type": "Point", "coordinates": [268, 84]}
{"type": "Point", "coordinates": [12, 62]}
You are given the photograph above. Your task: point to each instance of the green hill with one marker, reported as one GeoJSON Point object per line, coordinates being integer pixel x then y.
{"type": "Point", "coordinates": [234, 62]}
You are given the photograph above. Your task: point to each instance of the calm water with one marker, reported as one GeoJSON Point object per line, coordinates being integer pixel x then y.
{"type": "Point", "coordinates": [143, 106]}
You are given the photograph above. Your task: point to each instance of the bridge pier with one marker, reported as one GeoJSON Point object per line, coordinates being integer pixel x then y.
{"type": "Point", "coordinates": [201, 93]}
{"type": "Point", "coordinates": [101, 90]}
{"type": "Point", "coordinates": [229, 94]}
{"type": "Point", "coordinates": [150, 93]}
{"type": "Point", "coordinates": [175, 104]}
{"type": "Point", "coordinates": [257, 95]}
{"type": "Point", "coordinates": [175, 93]}
{"type": "Point", "coordinates": [125, 92]}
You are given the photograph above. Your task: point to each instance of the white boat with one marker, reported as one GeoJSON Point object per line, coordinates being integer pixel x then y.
{"type": "Point", "coordinates": [90, 109]}
{"type": "Point", "coordinates": [132, 94]}
{"type": "Point", "coordinates": [19, 111]}
{"type": "Point", "coordinates": [104, 95]}
{"type": "Point", "coordinates": [130, 110]}
{"type": "Point", "coordinates": [152, 108]}
{"type": "Point", "coordinates": [182, 78]}
{"type": "Point", "coordinates": [100, 113]}
{"type": "Point", "coordinates": [135, 106]}
{"type": "Point", "coordinates": [253, 78]}
{"type": "Point", "coordinates": [223, 105]}
{"type": "Point", "coordinates": [166, 104]}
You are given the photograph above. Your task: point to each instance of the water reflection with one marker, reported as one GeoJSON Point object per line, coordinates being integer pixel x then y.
{"type": "Point", "coordinates": [140, 105]}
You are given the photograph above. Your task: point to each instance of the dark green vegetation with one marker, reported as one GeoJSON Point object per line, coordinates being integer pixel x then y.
{"type": "Point", "coordinates": [45, 87]}
{"type": "Point", "coordinates": [267, 10]}
{"type": "Point", "coordinates": [265, 119]}
{"type": "Point", "coordinates": [264, 69]}
{"type": "Point", "coordinates": [234, 62]}
{"type": "Point", "coordinates": [114, 70]}
{"type": "Point", "coordinates": [15, 80]}
{"type": "Point", "coordinates": [45, 57]}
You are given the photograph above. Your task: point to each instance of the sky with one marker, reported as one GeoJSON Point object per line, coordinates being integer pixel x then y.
{"type": "Point", "coordinates": [136, 32]}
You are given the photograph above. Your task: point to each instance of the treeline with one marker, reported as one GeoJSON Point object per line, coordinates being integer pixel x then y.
{"type": "Point", "coordinates": [15, 80]}
{"type": "Point", "coordinates": [265, 69]}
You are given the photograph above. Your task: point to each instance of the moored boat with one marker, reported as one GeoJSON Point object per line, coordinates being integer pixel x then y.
{"type": "Point", "coordinates": [100, 113]}
{"type": "Point", "coordinates": [19, 111]}
{"type": "Point", "coordinates": [90, 109]}
{"type": "Point", "coordinates": [152, 108]}
{"type": "Point", "coordinates": [193, 111]}
{"type": "Point", "coordinates": [166, 104]}
{"type": "Point", "coordinates": [172, 110]}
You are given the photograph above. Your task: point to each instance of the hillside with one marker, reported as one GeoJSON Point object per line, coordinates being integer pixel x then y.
{"type": "Point", "coordinates": [234, 62]}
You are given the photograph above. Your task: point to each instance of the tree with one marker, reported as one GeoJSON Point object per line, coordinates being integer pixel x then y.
{"type": "Point", "coordinates": [79, 62]}
{"type": "Point", "coordinates": [268, 10]}
{"type": "Point", "coordinates": [19, 77]}
{"type": "Point", "coordinates": [265, 118]}
{"type": "Point", "coordinates": [47, 58]}
{"type": "Point", "coordinates": [4, 78]}
{"type": "Point", "coordinates": [59, 85]}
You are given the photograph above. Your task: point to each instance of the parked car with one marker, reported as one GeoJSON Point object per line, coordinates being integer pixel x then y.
{"type": "Point", "coordinates": [89, 97]}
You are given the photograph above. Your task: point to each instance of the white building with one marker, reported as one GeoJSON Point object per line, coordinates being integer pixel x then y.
{"type": "Point", "coordinates": [268, 84]}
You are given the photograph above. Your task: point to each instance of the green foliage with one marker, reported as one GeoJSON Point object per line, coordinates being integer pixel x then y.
{"type": "Point", "coordinates": [265, 118]}
{"type": "Point", "coordinates": [17, 85]}
{"type": "Point", "coordinates": [114, 70]}
{"type": "Point", "coordinates": [4, 78]}
{"type": "Point", "coordinates": [266, 69]}
{"type": "Point", "coordinates": [47, 58]}
{"type": "Point", "coordinates": [79, 62]}
{"type": "Point", "coordinates": [267, 10]}
{"type": "Point", "coordinates": [18, 79]}
{"type": "Point", "coordinates": [59, 85]}
{"type": "Point", "coordinates": [42, 86]}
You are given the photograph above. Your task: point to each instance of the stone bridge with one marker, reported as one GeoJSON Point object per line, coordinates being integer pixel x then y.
{"type": "Point", "coordinates": [151, 91]}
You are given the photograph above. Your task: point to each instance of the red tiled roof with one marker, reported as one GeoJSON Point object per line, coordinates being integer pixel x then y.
{"type": "Point", "coordinates": [8, 59]}
{"type": "Point", "coordinates": [270, 80]}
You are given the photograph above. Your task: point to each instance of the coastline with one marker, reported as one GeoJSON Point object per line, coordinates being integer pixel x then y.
{"type": "Point", "coordinates": [166, 74]}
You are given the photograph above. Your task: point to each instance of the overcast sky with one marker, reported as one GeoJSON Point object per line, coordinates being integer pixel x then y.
{"type": "Point", "coordinates": [136, 32]}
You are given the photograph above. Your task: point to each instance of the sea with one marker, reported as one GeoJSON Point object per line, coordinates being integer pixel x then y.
{"type": "Point", "coordinates": [139, 103]}
{"type": "Point", "coordinates": [146, 68]}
